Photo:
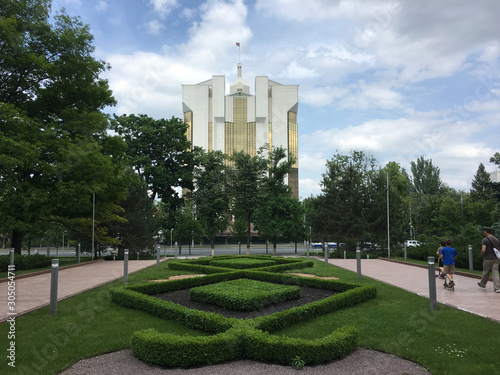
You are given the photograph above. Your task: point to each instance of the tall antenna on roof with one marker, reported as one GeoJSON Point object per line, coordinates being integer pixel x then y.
{"type": "Point", "coordinates": [239, 52]}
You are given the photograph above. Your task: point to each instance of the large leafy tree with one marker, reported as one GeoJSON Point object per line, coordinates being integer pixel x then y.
{"type": "Point", "coordinates": [52, 131]}
{"type": "Point", "coordinates": [160, 154]}
{"type": "Point", "coordinates": [245, 176]}
{"type": "Point", "coordinates": [211, 194]}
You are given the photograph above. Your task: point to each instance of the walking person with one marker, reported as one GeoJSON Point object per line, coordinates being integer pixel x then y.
{"type": "Point", "coordinates": [448, 254]}
{"type": "Point", "coordinates": [490, 260]}
{"type": "Point", "coordinates": [440, 261]}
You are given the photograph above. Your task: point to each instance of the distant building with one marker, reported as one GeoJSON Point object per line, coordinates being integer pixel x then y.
{"type": "Point", "coordinates": [495, 176]}
{"type": "Point", "coordinates": [241, 121]}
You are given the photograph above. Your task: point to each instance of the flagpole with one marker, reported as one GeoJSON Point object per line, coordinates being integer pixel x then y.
{"type": "Point", "coordinates": [239, 51]}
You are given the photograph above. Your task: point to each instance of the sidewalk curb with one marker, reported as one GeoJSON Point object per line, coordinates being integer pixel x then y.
{"type": "Point", "coordinates": [37, 273]}
{"type": "Point", "coordinates": [466, 274]}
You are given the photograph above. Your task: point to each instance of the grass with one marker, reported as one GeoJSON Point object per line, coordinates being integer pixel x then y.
{"type": "Point", "coordinates": [446, 341]}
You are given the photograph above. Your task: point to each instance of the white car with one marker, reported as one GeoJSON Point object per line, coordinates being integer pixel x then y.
{"type": "Point", "coordinates": [413, 243]}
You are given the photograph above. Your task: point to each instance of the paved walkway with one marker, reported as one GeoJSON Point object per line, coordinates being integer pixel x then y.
{"type": "Point", "coordinates": [466, 296]}
{"type": "Point", "coordinates": [33, 293]}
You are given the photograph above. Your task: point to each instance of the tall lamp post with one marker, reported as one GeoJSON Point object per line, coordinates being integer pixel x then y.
{"type": "Point", "coordinates": [93, 221]}
{"type": "Point", "coordinates": [171, 244]}
{"type": "Point", "coordinates": [388, 229]}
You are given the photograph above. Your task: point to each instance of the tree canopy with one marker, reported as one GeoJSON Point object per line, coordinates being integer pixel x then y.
{"type": "Point", "coordinates": [55, 149]}
{"type": "Point", "coordinates": [159, 152]}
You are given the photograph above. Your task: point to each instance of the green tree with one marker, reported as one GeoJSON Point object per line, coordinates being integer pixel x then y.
{"type": "Point", "coordinates": [210, 194]}
{"type": "Point", "coordinates": [140, 227]}
{"type": "Point", "coordinates": [159, 152]}
{"type": "Point", "coordinates": [51, 124]}
{"type": "Point", "coordinates": [481, 185]}
{"type": "Point", "coordinates": [188, 229]}
{"type": "Point", "coordinates": [245, 177]}
{"type": "Point", "coordinates": [239, 231]}
{"type": "Point", "coordinates": [278, 214]}
{"type": "Point", "coordinates": [346, 189]}
{"type": "Point", "coordinates": [425, 177]}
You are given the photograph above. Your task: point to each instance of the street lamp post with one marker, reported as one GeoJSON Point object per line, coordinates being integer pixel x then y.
{"type": "Point", "coordinates": [171, 244]}
{"type": "Point", "coordinates": [93, 221]}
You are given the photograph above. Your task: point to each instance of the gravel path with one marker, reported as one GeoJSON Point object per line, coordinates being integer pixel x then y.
{"type": "Point", "coordinates": [361, 361]}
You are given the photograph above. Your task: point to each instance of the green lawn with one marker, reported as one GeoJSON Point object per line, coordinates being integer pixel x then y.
{"type": "Point", "coordinates": [446, 341]}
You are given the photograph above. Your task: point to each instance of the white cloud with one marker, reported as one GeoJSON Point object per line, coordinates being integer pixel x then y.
{"type": "Point", "coordinates": [154, 27]}
{"type": "Point", "coordinates": [297, 72]}
{"type": "Point", "coordinates": [211, 39]}
{"type": "Point", "coordinates": [101, 6]}
{"type": "Point", "coordinates": [308, 187]}
{"type": "Point", "coordinates": [322, 96]}
{"type": "Point", "coordinates": [163, 7]}
{"type": "Point", "coordinates": [150, 83]}
{"type": "Point", "coordinates": [323, 10]}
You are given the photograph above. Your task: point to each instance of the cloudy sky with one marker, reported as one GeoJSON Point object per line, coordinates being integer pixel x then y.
{"type": "Point", "coordinates": [395, 79]}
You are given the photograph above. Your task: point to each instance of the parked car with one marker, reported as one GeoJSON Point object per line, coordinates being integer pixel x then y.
{"type": "Point", "coordinates": [320, 244]}
{"type": "Point", "coordinates": [413, 243]}
{"type": "Point", "coordinates": [365, 246]}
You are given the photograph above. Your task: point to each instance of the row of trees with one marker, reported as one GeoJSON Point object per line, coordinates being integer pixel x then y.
{"type": "Point", "coordinates": [358, 198]}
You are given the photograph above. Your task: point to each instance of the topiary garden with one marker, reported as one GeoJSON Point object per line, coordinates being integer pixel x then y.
{"type": "Point", "coordinates": [248, 285]}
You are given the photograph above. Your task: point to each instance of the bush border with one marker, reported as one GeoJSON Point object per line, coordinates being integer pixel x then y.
{"type": "Point", "coordinates": [234, 338]}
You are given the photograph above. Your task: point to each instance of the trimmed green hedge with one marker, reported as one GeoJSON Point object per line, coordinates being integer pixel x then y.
{"type": "Point", "coordinates": [243, 294]}
{"type": "Point", "coordinates": [262, 346]}
{"type": "Point", "coordinates": [203, 265]}
{"type": "Point", "coordinates": [242, 263]}
{"type": "Point", "coordinates": [234, 338]}
{"type": "Point", "coordinates": [25, 262]}
{"type": "Point", "coordinates": [184, 351]}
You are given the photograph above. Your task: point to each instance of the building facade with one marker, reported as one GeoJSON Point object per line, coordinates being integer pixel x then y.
{"type": "Point", "coordinates": [240, 121]}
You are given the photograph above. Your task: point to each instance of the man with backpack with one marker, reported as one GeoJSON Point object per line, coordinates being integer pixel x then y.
{"type": "Point", "coordinates": [490, 260]}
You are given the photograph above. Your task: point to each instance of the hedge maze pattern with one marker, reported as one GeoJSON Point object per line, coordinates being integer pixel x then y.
{"type": "Point", "coordinates": [232, 338]}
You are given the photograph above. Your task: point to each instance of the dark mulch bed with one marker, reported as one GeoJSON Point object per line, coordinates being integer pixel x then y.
{"type": "Point", "coordinates": [308, 295]}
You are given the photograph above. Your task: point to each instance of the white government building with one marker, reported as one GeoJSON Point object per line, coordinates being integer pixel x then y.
{"type": "Point", "coordinates": [240, 121]}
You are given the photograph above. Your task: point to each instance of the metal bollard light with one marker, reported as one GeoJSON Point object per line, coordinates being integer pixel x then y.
{"type": "Point", "coordinates": [54, 278]}
{"type": "Point", "coordinates": [157, 256]}
{"type": "Point", "coordinates": [432, 284]}
{"type": "Point", "coordinates": [326, 254]}
{"type": "Point", "coordinates": [125, 266]}
{"type": "Point", "coordinates": [471, 259]}
{"type": "Point", "coordinates": [78, 253]}
{"type": "Point", "coordinates": [358, 262]}
{"type": "Point", "coordinates": [11, 261]}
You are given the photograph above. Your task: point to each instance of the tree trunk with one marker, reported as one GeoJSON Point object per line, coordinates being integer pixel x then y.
{"type": "Point", "coordinates": [17, 241]}
{"type": "Point", "coordinates": [275, 239]}
{"type": "Point", "coordinates": [248, 234]}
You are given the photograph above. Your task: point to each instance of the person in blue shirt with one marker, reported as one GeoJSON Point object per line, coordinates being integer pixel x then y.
{"type": "Point", "coordinates": [448, 254]}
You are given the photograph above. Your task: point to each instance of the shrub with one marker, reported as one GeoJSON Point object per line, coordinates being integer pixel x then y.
{"type": "Point", "coordinates": [242, 263]}
{"type": "Point", "coordinates": [243, 294]}
{"type": "Point", "coordinates": [234, 338]}
{"type": "Point", "coordinates": [25, 262]}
